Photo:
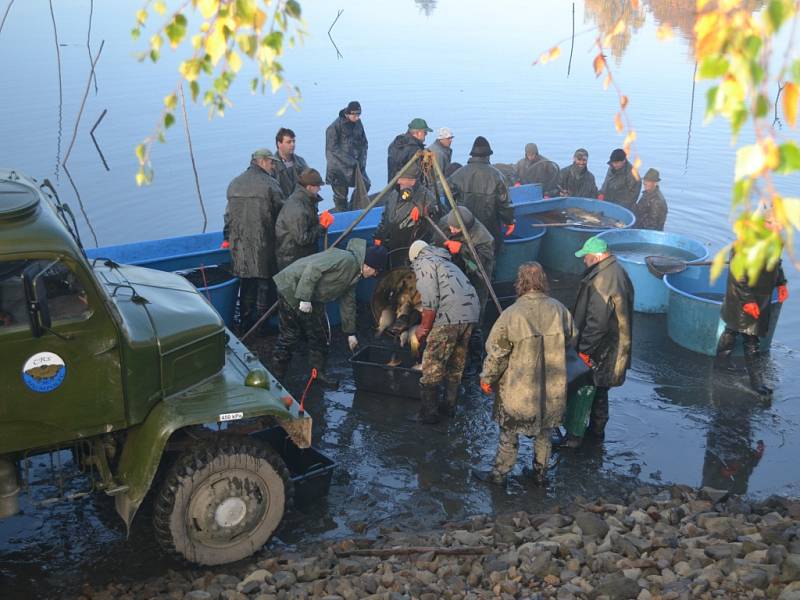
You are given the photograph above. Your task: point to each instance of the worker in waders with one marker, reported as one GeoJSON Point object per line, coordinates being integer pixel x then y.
{"type": "Point", "coordinates": [303, 289]}
{"type": "Point", "coordinates": [746, 310]}
{"type": "Point", "coordinates": [526, 369]}
{"type": "Point", "coordinates": [450, 309]}
{"type": "Point", "coordinates": [603, 316]}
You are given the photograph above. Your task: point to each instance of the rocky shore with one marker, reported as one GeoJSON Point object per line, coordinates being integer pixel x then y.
{"type": "Point", "coordinates": [668, 543]}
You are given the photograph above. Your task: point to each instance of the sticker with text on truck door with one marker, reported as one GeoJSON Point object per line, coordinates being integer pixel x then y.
{"type": "Point", "coordinates": [44, 372]}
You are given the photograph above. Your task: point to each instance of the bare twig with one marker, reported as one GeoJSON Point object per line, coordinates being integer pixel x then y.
{"type": "Point", "coordinates": [691, 116]}
{"type": "Point", "coordinates": [96, 145]}
{"type": "Point", "coordinates": [60, 90]}
{"type": "Point", "coordinates": [339, 14]}
{"type": "Point", "coordinates": [75, 135]}
{"type": "Point", "coordinates": [191, 155]}
{"type": "Point", "coordinates": [572, 43]}
{"type": "Point", "coordinates": [777, 120]}
{"type": "Point", "coordinates": [89, 50]}
{"type": "Point", "coordinates": [405, 550]}
{"type": "Point", "coordinates": [8, 8]}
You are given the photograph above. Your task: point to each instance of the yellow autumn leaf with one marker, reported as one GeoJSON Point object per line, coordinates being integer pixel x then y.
{"type": "Point", "coordinates": [216, 45]}
{"type": "Point", "coordinates": [208, 7]}
{"type": "Point", "coordinates": [623, 101]}
{"type": "Point", "coordinates": [664, 32]}
{"type": "Point", "coordinates": [718, 264]}
{"type": "Point", "coordinates": [791, 97]}
{"type": "Point", "coordinates": [607, 81]}
{"type": "Point", "coordinates": [234, 61]}
{"type": "Point", "coordinates": [635, 169]}
{"type": "Point", "coordinates": [749, 161]}
{"type": "Point", "coordinates": [598, 63]}
{"type": "Point", "coordinates": [791, 208]}
{"type": "Point", "coordinates": [618, 123]}
{"type": "Point", "coordinates": [160, 7]}
{"type": "Point", "coordinates": [772, 154]}
{"type": "Point", "coordinates": [551, 54]}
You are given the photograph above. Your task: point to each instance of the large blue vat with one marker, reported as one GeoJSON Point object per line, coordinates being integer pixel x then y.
{"type": "Point", "coordinates": [693, 316]}
{"type": "Point", "coordinates": [525, 193]}
{"type": "Point", "coordinates": [558, 247]}
{"type": "Point", "coordinates": [631, 246]}
{"type": "Point", "coordinates": [518, 248]}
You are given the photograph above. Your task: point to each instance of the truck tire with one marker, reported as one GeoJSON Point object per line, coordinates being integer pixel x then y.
{"type": "Point", "coordinates": [221, 502]}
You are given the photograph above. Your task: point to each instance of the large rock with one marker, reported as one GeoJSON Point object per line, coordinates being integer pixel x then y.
{"type": "Point", "coordinates": [618, 587]}
{"type": "Point", "coordinates": [591, 524]}
{"type": "Point", "coordinates": [791, 568]}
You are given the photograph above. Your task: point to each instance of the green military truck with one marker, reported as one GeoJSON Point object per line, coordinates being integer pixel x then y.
{"type": "Point", "coordinates": [134, 373]}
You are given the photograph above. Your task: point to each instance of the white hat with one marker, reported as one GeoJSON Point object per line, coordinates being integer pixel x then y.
{"type": "Point", "coordinates": [444, 133]}
{"type": "Point", "coordinates": [416, 248]}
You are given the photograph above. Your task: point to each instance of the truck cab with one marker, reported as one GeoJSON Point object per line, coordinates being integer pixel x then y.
{"type": "Point", "coordinates": [134, 371]}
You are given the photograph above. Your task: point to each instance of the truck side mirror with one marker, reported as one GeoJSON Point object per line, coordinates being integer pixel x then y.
{"type": "Point", "coordinates": [36, 297]}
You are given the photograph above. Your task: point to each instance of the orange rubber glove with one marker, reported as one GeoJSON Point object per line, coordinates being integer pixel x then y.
{"type": "Point", "coordinates": [377, 242]}
{"type": "Point", "coordinates": [225, 244]}
{"type": "Point", "coordinates": [486, 388]}
{"type": "Point", "coordinates": [326, 219]}
{"type": "Point", "coordinates": [783, 293]}
{"type": "Point", "coordinates": [601, 196]}
{"type": "Point", "coordinates": [586, 360]}
{"type": "Point", "coordinates": [424, 328]}
{"type": "Point", "coordinates": [751, 308]}
{"type": "Point", "coordinates": [519, 183]}
{"type": "Point", "coordinates": [453, 246]}
{"type": "Point", "coordinates": [510, 229]}
{"type": "Point", "coordinates": [415, 214]}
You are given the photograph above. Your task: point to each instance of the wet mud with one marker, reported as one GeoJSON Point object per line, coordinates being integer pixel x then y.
{"type": "Point", "coordinates": [674, 420]}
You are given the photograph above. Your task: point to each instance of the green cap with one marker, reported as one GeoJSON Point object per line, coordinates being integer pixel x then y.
{"type": "Point", "coordinates": [263, 153]}
{"type": "Point", "coordinates": [594, 245]}
{"type": "Point", "coordinates": [419, 124]}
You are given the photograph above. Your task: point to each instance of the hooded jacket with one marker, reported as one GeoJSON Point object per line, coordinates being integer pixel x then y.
{"type": "Point", "coordinates": [345, 147]}
{"type": "Point", "coordinates": [254, 201]}
{"type": "Point", "coordinates": [400, 152]}
{"type": "Point", "coordinates": [621, 187]}
{"type": "Point", "coordinates": [325, 277]}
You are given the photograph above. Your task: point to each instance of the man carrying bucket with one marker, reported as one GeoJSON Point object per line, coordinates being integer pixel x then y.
{"type": "Point", "coordinates": [604, 319]}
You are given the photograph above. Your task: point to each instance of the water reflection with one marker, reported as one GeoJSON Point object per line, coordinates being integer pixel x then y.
{"type": "Point", "coordinates": [606, 14]}
{"type": "Point", "coordinates": [426, 7]}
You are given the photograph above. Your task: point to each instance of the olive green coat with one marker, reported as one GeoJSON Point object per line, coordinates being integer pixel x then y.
{"type": "Point", "coordinates": [574, 182]}
{"type": "Point", "coordinates": [297, 229]}
{"type": "Point", "coordinates": [651, 210]}
{"type": "Point", "coordinates": [526, 363]}
{"type": "Point", "coordinates": [325, 277]}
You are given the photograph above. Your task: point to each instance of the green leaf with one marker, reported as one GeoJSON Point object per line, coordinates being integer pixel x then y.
{"type": "Point", "coordinates": [141, 152]}
{"type": "Point", "coordinates": [713, 67]}
{"type": "Point", "coordinates": [135, 33]}
{"type": "Point", "coordinates": [789, 158]}
{"type": "Point", "coordinates": [273, 40]}
{"type": "Point", "coordinates": [738, 118]}
{"type": "Point", "coordinates": [711, 102]}
{"type": "Point", "coordinates": [752, 46]}
{"type": "Point", "coordinates": [762, 106]}
{"type": "Point", "coordinates": [293, 9]}
{"type": "Point", "coordinates": [171, 101]}
{"type": "Point", "coordinates": [154, 54]}
{"type": "Point", "coordinates": [741, 191]}
{"type": "Point", "coordinates": [796, 70]}
{"type": "Point", "coordinates": [176, 30]}
{"type": "Point", "coordinates": [253, 84]}
{"type": "Point", "coordinates": [776, 14]}
{"type": "Point", "coordinates": [756, 72]}
{"type": "Point", "coordinates": [169, 120]}
{"type": "Point", "coordinates": [194, 87]}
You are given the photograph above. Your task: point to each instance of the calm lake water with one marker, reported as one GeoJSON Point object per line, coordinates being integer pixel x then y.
{"type": "Point", "coordinates": [462, 64]}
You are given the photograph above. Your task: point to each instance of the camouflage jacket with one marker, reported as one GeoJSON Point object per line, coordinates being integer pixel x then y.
{"type": "Point", "coordinates": [444, 288]}
{"type": "Point", "coordinates": [651, 210]}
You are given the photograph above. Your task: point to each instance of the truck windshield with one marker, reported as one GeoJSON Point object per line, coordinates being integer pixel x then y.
{"type": "Point", "coordinates": [66, 297]}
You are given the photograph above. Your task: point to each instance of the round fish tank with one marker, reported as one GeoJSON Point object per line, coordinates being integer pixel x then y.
{"type": "Point", "coordinates": [632, 246]}
{"type": "Point", "coordinates": [558, 247]}
{"type": "Point", "coordinates": [521, 246]}
{"type": "Point", "coordinates": [693, 316]}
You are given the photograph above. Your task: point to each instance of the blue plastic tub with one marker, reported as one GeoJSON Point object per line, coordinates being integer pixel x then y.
{"type": "Point", "coordinates": [693, 316]}
{"type": "Point", "coordinates": [631, 246]}
{"type": "Point", "coordinates": [525, 193]}
{"type": "Point", "coordinates": [223, 298]}
{"type": "Point", "coordinates": [523, 245]}
{"type": "Point", "coordinates": [558, 247]}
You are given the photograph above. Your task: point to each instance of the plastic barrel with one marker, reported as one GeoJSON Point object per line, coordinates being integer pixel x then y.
{"type": "Point", "coordinates": [651, 295]}
{"type": "Point", "coordinates": [518, 248]}
{"type": "Point", "coordinates": [693, 316]}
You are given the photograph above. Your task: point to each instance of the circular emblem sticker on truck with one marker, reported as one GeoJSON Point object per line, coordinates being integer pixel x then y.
{"type": "Point", "coordinates": [44, 372]}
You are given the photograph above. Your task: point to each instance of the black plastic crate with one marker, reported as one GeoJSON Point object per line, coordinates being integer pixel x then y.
{"type": "Point", "coordinates": [372, 373]}
{"type": "Point", "coordinates": [309, 469]}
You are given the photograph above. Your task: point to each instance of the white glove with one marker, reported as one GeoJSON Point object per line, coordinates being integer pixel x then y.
{"type": "Point", "coordinates": [305, 306]}
{"type": "Point", "coordinates": [352, 341]}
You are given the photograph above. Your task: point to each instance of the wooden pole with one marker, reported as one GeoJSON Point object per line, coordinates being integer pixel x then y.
{"type": "Point", "coordinates": [449, 194]}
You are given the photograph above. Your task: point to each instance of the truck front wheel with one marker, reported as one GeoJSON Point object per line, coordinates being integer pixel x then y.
{"type": "Point", "coordinates": [220, 502]}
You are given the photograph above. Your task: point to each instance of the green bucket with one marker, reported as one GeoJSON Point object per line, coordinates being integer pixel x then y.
{"type": "Point", "coordinates": [579, 404]}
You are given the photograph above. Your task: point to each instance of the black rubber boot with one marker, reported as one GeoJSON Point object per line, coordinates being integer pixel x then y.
{"type": "Point", "coordinates": [538, 473]}
{"type": "Point", "coordinates": [447, 405]}
{"type": "Point", "coordinates": [722, 361]}
{"type": "Point", "coordinates": [474, 353]}
{"type": "Point", "coordinates": [599, 415]}
{"type": "Point", "coordinates": [279, 368]}
{"type": "Point", "coordinates": [429, 402]}
{"type": "Point", "coordinates": [318, 361]}
{"type": "Point", "coordinates": [754, 365]}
